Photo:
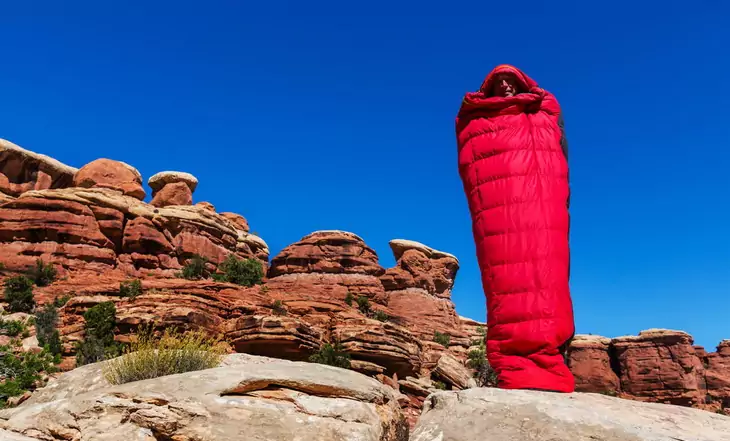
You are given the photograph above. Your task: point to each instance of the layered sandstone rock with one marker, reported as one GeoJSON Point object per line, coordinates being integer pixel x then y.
{"type": "Point", "coordinates": [717, 374]}
{"type": "Point", "coordinates": [245, 398]}
{"type": "Point", "coordinates": [419, 291]}
{"type": "Point", "coordinates": [99, 229]}
{"type": "Point", "coordinates": [590, 362]}
{"type": "Point", "coordinates": [661, 365]}
{"type": "Point", "coordinates": [22, 170]}
{"type": "Point", "coordinates": [172, 188]}
{"type": "Point", "coordinates": [115, 175]}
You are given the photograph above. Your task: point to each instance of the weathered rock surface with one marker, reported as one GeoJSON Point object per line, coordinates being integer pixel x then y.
{"type": "Point", "coordinates": [718, 376]}
{"type": "Point", "coordinates": [661, 365]}
{"type": "Point", "coordinates": [115, 175]}
{"type": "Point", "coordinates": [177, 193]}
{"type": "Point", "coordinates": [99, 229]}
{"type": "Point", "coordinates": [590, 362]}
{"type": "Point", "coordinates": [160, 180]}
{"type": "Point", "coordinates": [502, 415]}
{"type": "Point", "coordinates": [22, 170]}
{"type": "Point", "coordinates": [246, 398]}
{"type": "Point", "coordinates": [327, 252]}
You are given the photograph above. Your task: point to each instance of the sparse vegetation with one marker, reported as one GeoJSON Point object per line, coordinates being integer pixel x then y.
{"type": "Point", "coordinates": [99, 342]}
{"type": "Point", "coordinates": [130, 288]}
{"type": "Point", "coordinates": [42, 274]}
{"type": "Point", "coordinates": [380, 316]}
{"type": "Point", "coordinates": [349, 298]}
{"type": "Point", "coordinates": [363, 304]}
{"type": "Point", "coordinates": [22, 371]}
{"type": "Point", "coordinates": [171, 353]}
{"type": "Point", "coordinates": [442, 339]}
{"type": "Point", "coordinates": [278, 308]}
{"type": "Point", "coordinates": [245, 272]}
{"type": "Point", "coordinates": [484, 375]}
{"type": "Point", "coordinates": [264, 289]}
{"type": "Point", "coordinates": [19, 294]}
{"type": "Point", "coordinates": [62, 300]}
{"type": "Point", "coordinates": [439, 385]}
{"type": "Point", "coordinates": [195, 269]}
{"type": "Point", "coordinates": [331, 354]}
{"type": "Point", "coordinates": [46, 321]}
{"type": "Point", "coordinates": [12, 328]}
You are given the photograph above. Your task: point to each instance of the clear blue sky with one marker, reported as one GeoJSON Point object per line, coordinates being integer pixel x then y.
{"type": "Point", "coordinates": [336, 116]}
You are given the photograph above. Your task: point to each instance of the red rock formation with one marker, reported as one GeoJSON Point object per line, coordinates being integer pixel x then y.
{"type": "Point", "coordinates": [661, 365]}
{"type": "Point", "coordinates": [115, 175]}
{"type": "Point", "coordinates": [22, 170]}
{"type": "Point", "coordinates": [590, 362]}
{"type": "Point", "coordinates": [419, 291]}
{"type": "Point", "coordinates": [172, 188]}
{"type": "Point", "coordinates": [717, 370]}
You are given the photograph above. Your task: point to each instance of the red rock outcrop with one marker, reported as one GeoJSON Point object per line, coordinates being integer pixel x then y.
{"type": "Point", "coordinates": [22, 170]}
{"type": "Point", "coordinates": [590, 362]}
{"type": "Point", "coordinates": [172, 188]}
{"type": "Point", "coordinates": [419, 291]}
{"type": "Point", "coordinates": [99, 229]}
{"type": "Point", "coordinates": [115, 175]}
{"type": "Point", "coordinates": [717, 374]}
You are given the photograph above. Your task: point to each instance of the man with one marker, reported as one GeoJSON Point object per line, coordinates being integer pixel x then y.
{"type": "Point", "coordinates": [513, 162]}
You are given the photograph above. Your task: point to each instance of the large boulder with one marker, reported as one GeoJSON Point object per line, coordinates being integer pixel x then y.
{"type": "Point", "coordinates": [590, 361]}
{"type": "Point", "coordinates": [511, 415]}
{"type": "Point", "coordinates": [245, 398]}
{"type": "Point", "coordinates": [107, 173]}
{"type": "Point", "coordinates": [172, 188]}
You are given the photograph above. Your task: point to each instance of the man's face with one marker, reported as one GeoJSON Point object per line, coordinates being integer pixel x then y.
{"type": "Point", "coordinates": [504, 85]}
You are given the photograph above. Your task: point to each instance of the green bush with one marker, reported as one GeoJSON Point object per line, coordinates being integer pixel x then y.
{"type": "Point", "coordinates": [22, 371]}
{"type": "Point", "coordinates": [19, 294]}
{"type": "Point", "coordinates": [42, 274]}
{"type": "Point", "coordinates": [332, 355]}
{"type": "Point", "coordinates": [349, 298]}
{"type": "Point", "coordinates": [380, 316]}
{"type": "Point", "coordinates": [172, 353]}
{"type": "Point", "coordinates": [13, 328]}
{"type": "Point", "coordinates": [60, 301]}
{"type": "Point", "coordinates": [484, 375]}
{"type": "Point", "coordinates": [439, 385]}
{"type": "Point", "coordinates": [363, 304]}
{"type": "Point", "coordinates": [278, 308]}
{"type": "Point", "coordinates": [99, 342]}
{"type": "Point", "coordinates": [442, 339]}
{"type": "Point", "coordinates": [195, 269]}
{"type": "Point", "coordinates": [246, 272]}
{"type": "Point", "coordinates": [46, 321]}
{"type": "Point", "coordinates": [131, 288]}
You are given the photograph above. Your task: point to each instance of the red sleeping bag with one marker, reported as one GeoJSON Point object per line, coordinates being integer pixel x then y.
{"type": "Point", "coordinates": [513, 163]}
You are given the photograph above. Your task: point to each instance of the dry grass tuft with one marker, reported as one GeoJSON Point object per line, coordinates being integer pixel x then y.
{"type": "Point", "coordinates": [170, 353]}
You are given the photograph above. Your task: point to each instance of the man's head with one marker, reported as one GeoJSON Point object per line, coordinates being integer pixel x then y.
{"type": "Point", "coordinates": [504, 85]}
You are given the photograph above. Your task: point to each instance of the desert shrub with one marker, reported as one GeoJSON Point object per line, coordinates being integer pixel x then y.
{"type": "Point", "coordinates": [42, 274]}
{"type": "Point", "coordinates": [62, 300]}
{"type": "Point", "coordinates": [349, 298]}
{"type": "Point", "coordinates": [380, 316]}
{"type": "Point", "coordinates": [278, 308]}
{"type": "Point", "coordinates": [264, 289]}
{"type": "Point", "coordinates": [99, 342]}
{"type": "Point", "coordinates": [484, 375]}
{"type": "Point", "coordinates": [439, 385]}
{"type": "Point", "coordinates": [442, 339]}
{"type": "Point", "coordinates": [46, 321]}
{"type": "Point", "coordinates": [195, 269]}
{"type": "Point", "coordinates": [130, 288]}
{"type": "Point", "coordinates": [12, 328]}
{"type": "Point", "coordinates": [332, 355]}
{"type": "Point", "coordinates": [22, 371]}
{"type": "Point", "coordinates": [246, 272]}
{"type": "Point", "coordinates": [19, 294]}
{"type": "Point", "coordinates": [363, 304]}
{"type": "Point", "coordinates": [171, 353]}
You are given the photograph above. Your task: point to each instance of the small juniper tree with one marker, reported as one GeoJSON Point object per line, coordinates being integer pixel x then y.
{"type": "Point", "coordinates": [19, 294]}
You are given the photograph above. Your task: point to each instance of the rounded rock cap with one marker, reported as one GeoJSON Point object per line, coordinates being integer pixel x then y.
{"type": "Point", "coordinates": [159, 180]}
